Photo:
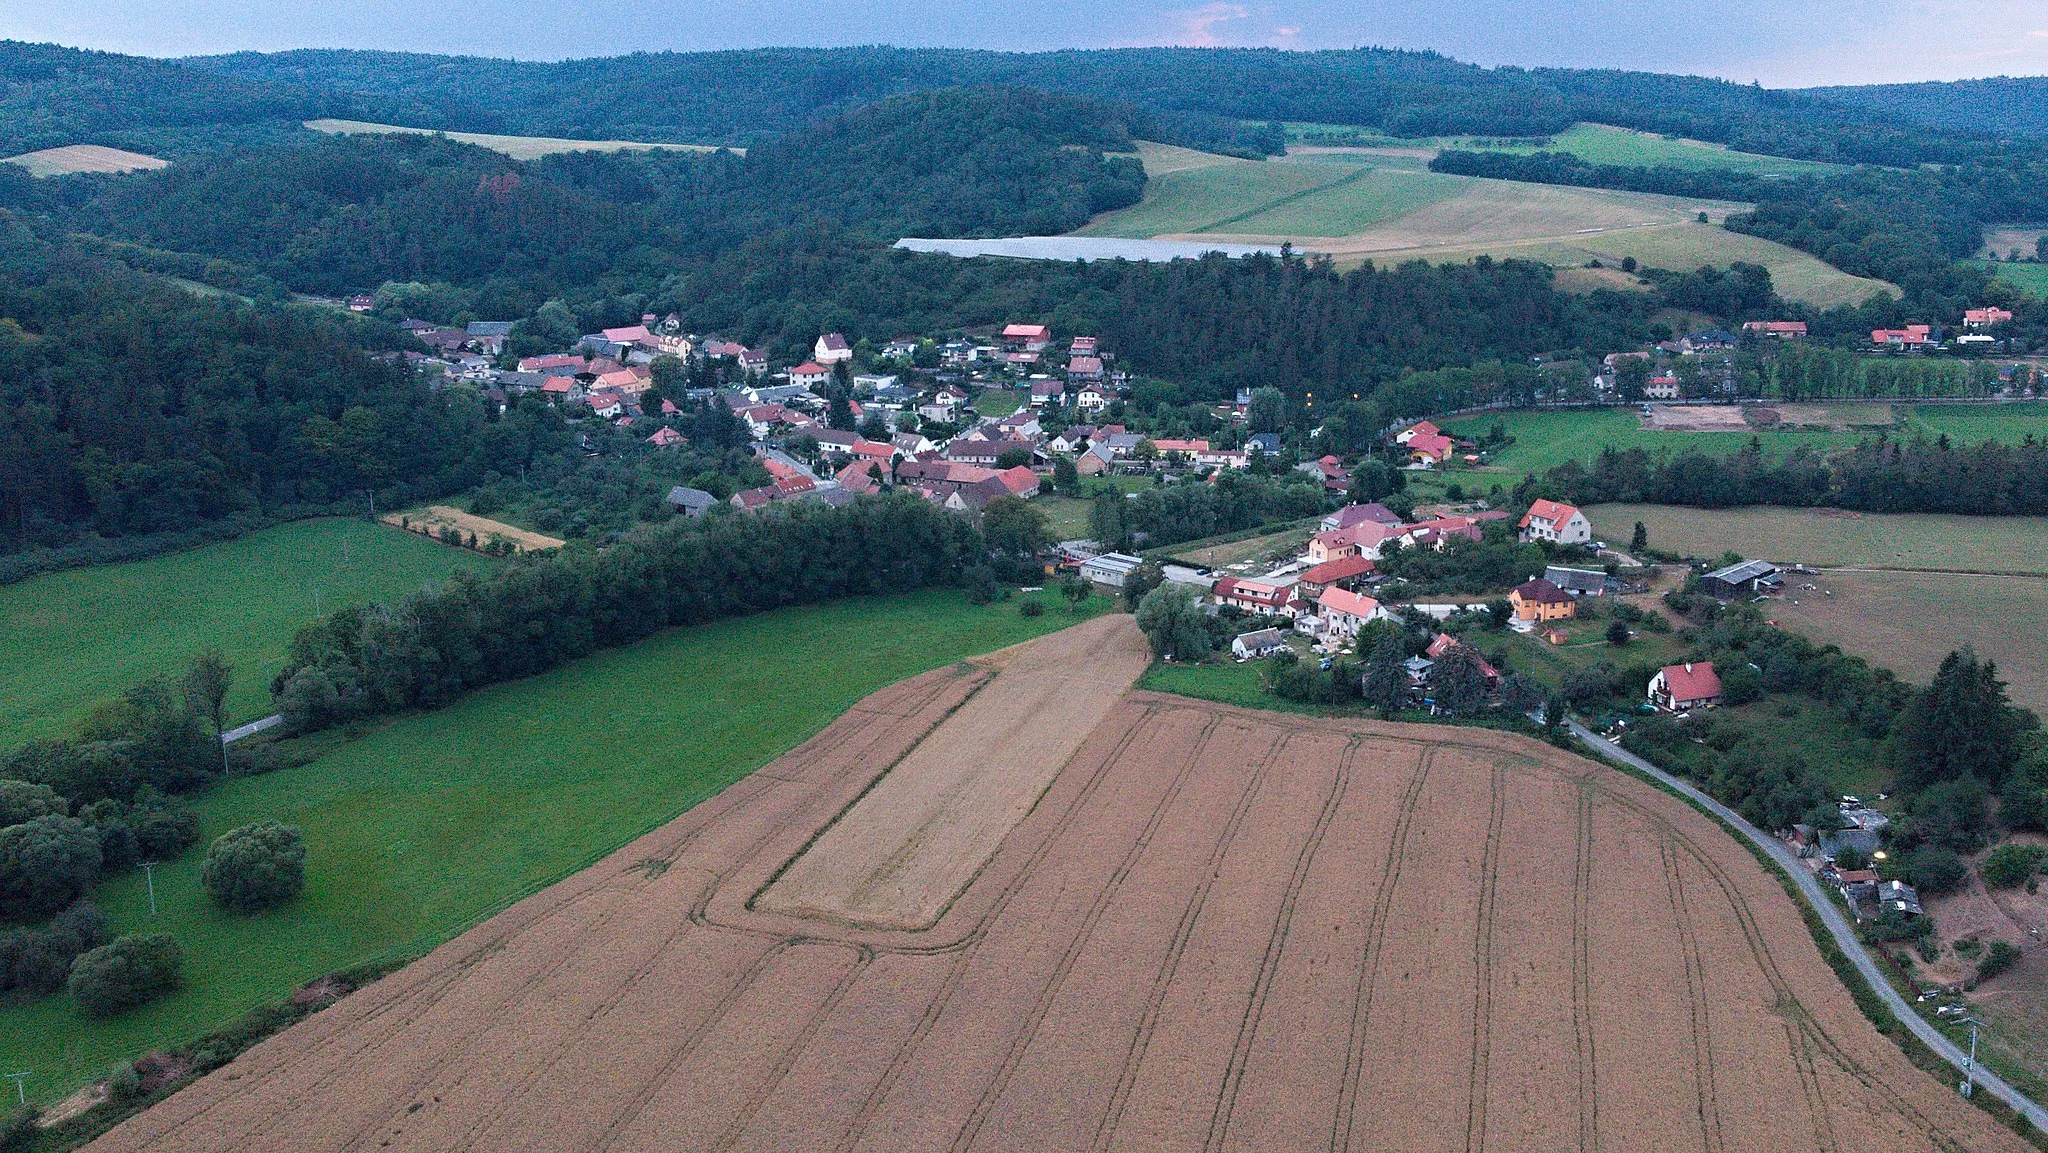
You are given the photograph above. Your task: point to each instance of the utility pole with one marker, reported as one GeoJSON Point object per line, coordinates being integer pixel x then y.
{"type": "Point", "coordinates": [20, 1085]}
{"type": "Point", "coordinates": [1969, 1084]}
{"type": "Point", "coordinates": [149, 878]}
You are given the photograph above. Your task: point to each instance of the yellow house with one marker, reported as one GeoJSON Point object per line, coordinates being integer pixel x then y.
{"type": "Point", "coordinates": [1539, 600]}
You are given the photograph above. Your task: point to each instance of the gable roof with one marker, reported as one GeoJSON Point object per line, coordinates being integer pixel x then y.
{"type": "Point", "coordinates": [1693, 681]}
{"type": "Point", "coordinates": [1330, 572]}
{"type": "Point", "coordinates": [1346, 601]}
{"type": "Point", "coordinates": [1548, 510]}
{"type": "Point", "coordinates": [809, 368]}
{"type": "Point", "coordinates": [1018, 480]}
{"type": "Point", "coordinates": [833, 342]}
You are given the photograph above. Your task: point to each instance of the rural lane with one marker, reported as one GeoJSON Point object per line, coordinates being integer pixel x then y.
{"type": "Point", "coordinates": [1831, 916]}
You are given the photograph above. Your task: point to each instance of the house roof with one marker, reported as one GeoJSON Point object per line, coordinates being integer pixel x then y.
{"type": "Point", "coordinates": [1742, 572]}
{"type": "Point", "coordinates": [834, 342]}
{"type": "Point", "coordinates": [1346, 601]}
{"type": "Point", "coordinates": [810, 368]}
{"type": "Point", "coordinates": [854, 477]}
{"type": "Point", "coordinates": [1027, 331]}
{"type": "Point", "coordinates": [664, 437]}
{"type": "Point", "coordinates": [1423, 428]}
{"type": "Point", "coordinates": [1251, 590]}
{"type": "Point", "coordinates": [1352, 514]}
{"type": "Point", "coordinates": [1445, 642]}
{"type": "Point", "coordinates": [1260, 638]}
{"type": "Point", "coordinates": [1549, 510]}
{"type": "Point", "coordinates": [690, 497]}
{"type": "Point", "coordinates": [1330, 572]}
{"type": "Point", "coordinates": [1693, 681]}
{"type": "Point", "coordinates": [1181, 445]}
{"type": "Point", "coordinates": [1542, 592]}
{"type": "Point", "coordinates": [1018, 480]}
{"type": "Point", "coordinates": [1433, 444]}
{"type": "Point", "coordinates": [1082, 365]}
{"type": "Point", "coordinates": [627, 335]}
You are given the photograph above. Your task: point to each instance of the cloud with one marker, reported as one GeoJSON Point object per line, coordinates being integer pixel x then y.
{"type": "Point", "coordinates": [1198, 25]}
{"type": "Point", "coordinates": [1285, 36]}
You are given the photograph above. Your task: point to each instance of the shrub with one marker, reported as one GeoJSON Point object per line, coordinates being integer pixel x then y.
{"type": "Point", "coordinates": [1031, 608]}
{"type": "Point", "coordinates": [981, 585]}
{"type": "Point", "coordinates": [1617, 632]}
{"type": "Point", "coordinates": [1933, 869]}
{"type": "Point", "coordinates": [255, 867]}
{"type": "Point", "coordinates": [2010, 865]}
{"type": "Point", "coordinates": [131, 971]}
{"type": "Point", "coordinates": [37, 961]}
{"type": "Point", "coordinates": [21, 801]}
{"type": "Point", "coordinates": [45, 864]}
{"type": "Point", "coordinates": [1998, 957]}
{"type": "Point", "coordinates": [18, 1130]}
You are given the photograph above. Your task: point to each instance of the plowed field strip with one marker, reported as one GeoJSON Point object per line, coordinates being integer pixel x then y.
{"type": "Point", "coordinates": [1482, 966]}
{"type": "Point", "coordinates": [1240, 1051]}
{"type": "Point", "coordinates": [1696, 999]}
{"type": "Point", "coordinates": [1582, 974]}
{"type": "Point", "coordinates": [1375, 955]}
{"type": "Point", "coordinates": [1161, 982]}
{"type": "Point", "coordinates": [1000, 1080]}
{"type": "Point", "coordinates": [884, 1086]}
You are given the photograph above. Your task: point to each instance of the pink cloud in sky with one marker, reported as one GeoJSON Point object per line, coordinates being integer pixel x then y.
{"type": "Point", "coordinates": [1198, 25]}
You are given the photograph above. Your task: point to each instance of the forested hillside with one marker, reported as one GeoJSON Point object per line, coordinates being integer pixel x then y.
{"type": "Point", "coordinates": [130, 407]}
{"type": "Point", "coordinates": [2002, 105]}
{"type": "Point", "coordinates": [744, 97]}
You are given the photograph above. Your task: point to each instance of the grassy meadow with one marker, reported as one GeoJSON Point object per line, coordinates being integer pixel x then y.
{"type": "Point", "coordinates": [72, 158]}
{"type": "Point", "coordinates": [69, 640]}
{"type": "Point", "coordinates": [517, 147]}
{"type": "Point", "coordinates": [424, 825]}
{"type": "Point", "coordinates": [1385, 205]}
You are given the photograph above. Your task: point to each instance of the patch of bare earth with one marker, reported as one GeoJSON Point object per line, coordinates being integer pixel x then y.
{"type": "Point", "coordinates": [431, 520]}
{"type": "Point", "coordinates": [1212, 929]}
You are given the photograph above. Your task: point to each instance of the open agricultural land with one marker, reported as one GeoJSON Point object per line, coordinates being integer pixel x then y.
{"type": "Point", "coordinates": [427, 824]}
{"type": "Point", "coordinates": [1593, 143]}
{"type": "Point", "coordinates": [1358, 203]}
{"type": "Point", "coordinates": [1546, 438]}
{"type": "Point", "coordinates": [517, 147]}
{"type": "Point", "coordinates": [1216, 929]}
{"type": "Point", "coordinates": [85, 158]}
{"type": "Point", "coordinates": [1838, 538]}
{"type": "Point", "coordinates": [70, 640]}
{"type": "Point", "coordinates": [435, 518]}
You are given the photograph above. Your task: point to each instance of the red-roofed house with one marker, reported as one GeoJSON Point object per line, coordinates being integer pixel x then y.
{"type": "Point", "coordinates": [1027, 337]}
{"type": "Point", "coordinates": [1679, 688]}
{"type": "Point", "coordinates": [831, 348]}
{"type": "Point", "coordinates": [1257, 597]}
{"type": "Point", "coordinates": [1976, 318]}
{"type": "Point", "coordinates": [1419, 428]}
{"type": "Point", "coordinates": [1911, 336]}
{"type": "Point", "coordinates": [809, 374]}
{"type": "Point", "coordinates": [1445, 642]}
{"type": "Point", "coordinates": [665, 438]}
{"type": "Point", "coordinates": [1430, 449]}
{"type": "Point", "coordinates": [1550, 520]}
{"type": "Point", "coordinates": [856, 478]}
{"type": "Point", "coordinates": [1330, 470]}
{"type": "Point", "coordinates": [550, 363]}
{"type": "Point", "coordinates": [607, 404]}
{"type": "Point", "coordinates": [1782, 329]}
{"type": "Point", "coordinates": [1333, 573]}
{"type": "Point", "coordinates": [1435, 534]}
{"type": "Point", "coordinates": [1082, 346]}
{"type": "Point", "coordinates": [1363, 539]}
{"type": "Point", "coordinates": [631, 381]}
{"type": "Point", "coordinates": [1021, 481]}
{"type": "Point", "coordinates": [558, 387]}
{"type": "Point", "coordinates": [1084, 368]}
{"type": "Point", "coordinates": [1345, 612]}
{"type": "Point", "coordinates": [794, 485]}
{"type": "Point", "coordinates": [1354, 514]}
{"type": "Point", "coordinates": [635, 334]}
{"type": "Point", "coordinates": [1187, 448]}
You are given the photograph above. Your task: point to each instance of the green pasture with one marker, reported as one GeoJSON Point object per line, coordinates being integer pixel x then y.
{"type": "Point", "coordinates": [429, 823]}
{"type": "Point", "coordinates": [69, 640]}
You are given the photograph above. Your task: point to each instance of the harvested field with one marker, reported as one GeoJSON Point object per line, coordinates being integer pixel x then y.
{"type": "Point", "coordinates": [85, 158]}
{"type": "Point", "coordinates": [899, 856]}
{"type": "Point", "coordinates": [517, 147]}
{"type": "Point", "coordinates": [1217, 929]}
{"type": "Point", "coordinates": [431, 520]}
{"type": "Point", "coordinates": [1696, 418]}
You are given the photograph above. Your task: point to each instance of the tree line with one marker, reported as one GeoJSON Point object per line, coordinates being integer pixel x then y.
{"type": "Point", "coordinates": [1881, 475]}
{"type": "Point", "coordinates": [437, 644]}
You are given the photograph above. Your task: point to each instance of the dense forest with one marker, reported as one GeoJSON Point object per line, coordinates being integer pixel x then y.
{"type": "Point", "coordinates": [747, 96]}
{"type": "Point", "coordinates": [129, 407]}
{"type": "Point", "coordinates": [2004, 105]}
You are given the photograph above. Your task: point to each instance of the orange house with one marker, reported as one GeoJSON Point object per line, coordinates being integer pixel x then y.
{"type": "Point", "coordinates": [1539, 600]}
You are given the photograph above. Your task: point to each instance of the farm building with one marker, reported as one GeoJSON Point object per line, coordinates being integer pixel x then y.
{"type": "Point", "coordinates": [1258, 644]}
{"type": "Point", "coordinates": [1111, 569]}
{"type": "Point", "coordinates": [1539, 600]}
{"type": "Point", "coordinates": [1748, 578]}
{"type": "Point", "coordinates": [1549, 520]}
{"type": "Point", "coordinates": [692, 501]}
{"type": "Point", "coordinates": [1679, 688]}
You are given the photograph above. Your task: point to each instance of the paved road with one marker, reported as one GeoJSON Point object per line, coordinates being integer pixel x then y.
{"type": "Point", "coordinates": [1836, 921]}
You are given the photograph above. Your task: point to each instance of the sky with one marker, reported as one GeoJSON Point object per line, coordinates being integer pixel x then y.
{"type": "Point", "coordinates": [1782, 43]}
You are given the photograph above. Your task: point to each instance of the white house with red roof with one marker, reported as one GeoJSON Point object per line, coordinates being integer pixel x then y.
{"type": "Point", "coordinates": [809, 374]}
{"type": "Point", "coordinates": [1911, 336]}
{"type": "Point", "coordinates": [1419, 428]}
{"type": "Point", "coordinates": [1261, 598]}
{"type": "Point", "coordinates": [1550, 520]}
{"type": "Point", "coordinates": [1027, 337]}
{"type": "Point", "coordinates": [1782, 329]}
{"type": "Point", "coordinates": [1082, 346]}
{"type": "Point", "coordinates": [1344, 612]}
{"type": "Point", "coordinates": [1084, 368]}
{"type": "Point", "coordinates": [1445, 642]}
{"type": "Point", "coordinates": [1680, 688]}
{"type": "Point", "coordinates": [665, 438]}
{"type": "Point", "coordinates": [1430, 449]}
{"type": "Point", "coordinates": [1981, 318]}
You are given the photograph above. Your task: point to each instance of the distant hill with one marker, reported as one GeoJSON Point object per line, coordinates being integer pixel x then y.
{"type": "Point", "coordinates": [1207, 96]}
{"type": "Point", "coordinates": [2002, 105]}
